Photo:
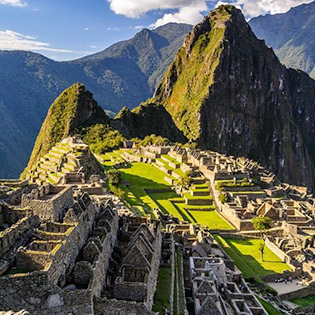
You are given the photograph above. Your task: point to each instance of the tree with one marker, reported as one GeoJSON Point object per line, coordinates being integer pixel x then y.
{"type": "Point", "coordinates": [113, 176]}
{"type": "Point", "coordinates": [223, 197]}
{"type": "Point", "coordinates": [262, 224]}
{"type": "Point", "coordinates": [186, 180]}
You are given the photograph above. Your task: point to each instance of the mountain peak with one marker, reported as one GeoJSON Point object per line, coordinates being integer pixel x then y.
{"type": "Point", "coordinates": [227, 91]}
{"type": "Point", "coordinates": [72, 110]}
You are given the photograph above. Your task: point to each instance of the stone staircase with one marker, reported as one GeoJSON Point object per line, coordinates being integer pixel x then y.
{"type": "Point", "coordinates": [60, 160]}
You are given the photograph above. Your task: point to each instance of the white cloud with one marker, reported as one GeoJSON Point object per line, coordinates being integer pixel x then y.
{"type": "Point", "coordinates": [86, 29]}
{"type": "Point", "coordinates": [115, 29]}
{"type": "Point", "coordinates": [188, 11]}
{"type": "Point", "coordinates": [254, 8]}
{"type": "Point", "coordinates": [10, 40]}
{"type": "Point", "coordinates": [14, 3]}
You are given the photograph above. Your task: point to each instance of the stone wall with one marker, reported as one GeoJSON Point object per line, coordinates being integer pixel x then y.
{"type": "Point", "coordinates": [298, 293]}
{"type": "Point", "coordinates": [10, 236]}
{"type": "Point", "coordinates": [40, 297]}
{"type": "Point", "coordinates": [280, 253]}
{"type": "Point", "coordinates": [103, 306]}
{"type": "Point", "coordinates": [14, 197]}
{"type": "Point", "coordinates": [49, 209]}
{"type": "Point", "coordinates": [100, 266]}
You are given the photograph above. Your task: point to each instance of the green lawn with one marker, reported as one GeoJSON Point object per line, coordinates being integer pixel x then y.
{"type": "Point", "coordinates": [211, 219]}
{"type": "Point", "coordinates": [247, 257]}
{"type": "Point", "coordinates": [163, 290]}
{"type": "Point", "coordinates": [305, 301]}
{"type": "Point", "coordinates": [270, 309]}
{"type": "Point", "coordinates": [142, 176]}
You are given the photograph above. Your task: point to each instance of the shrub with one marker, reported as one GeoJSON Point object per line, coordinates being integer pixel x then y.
{"type": "Point", "coordinates": [113, 176]}
{"type": "Point", "coordinates": [223, 197]}
{"type": "Point", "coordinates": [102, 138]}
{"type": "Point", "coordinates": [121, 194]}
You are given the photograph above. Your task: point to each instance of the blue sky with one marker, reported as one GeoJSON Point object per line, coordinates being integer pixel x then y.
{"type": "Point", "coordinates": [69, 29]}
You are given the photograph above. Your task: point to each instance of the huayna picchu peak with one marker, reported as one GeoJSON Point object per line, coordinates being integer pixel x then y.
{"type": "Point", "coordinates": [74, 110]}
{"type": "Point", "coordinates": [227, 91]}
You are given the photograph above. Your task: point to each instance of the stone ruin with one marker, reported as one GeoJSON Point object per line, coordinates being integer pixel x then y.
{"type": "Point", "coordinates": [212, 283]}
{"type": "Point", "coordinates": [69, 161]}
{"type": "Point", "coordinates": [63, 252]}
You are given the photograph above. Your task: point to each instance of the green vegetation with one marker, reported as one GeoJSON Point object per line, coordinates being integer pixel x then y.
{"type": "Point", "coordinates": [113, 176]}
{"type": "Point", "coordinates": [262, 224]}
{"type": "Point", "coordinates": [224, 185]}
{"type": "Point", "coordinates": [66, 116]}
{"type": "Point", "coordinates": [223, 197]}
{"type": "Point", "coordinates": [305, 301]}
{"type": "Point", "coordinates": [246, 254]}
{"type": "Point", "coordinates": [271, 310]}
{"type": "Point", "coordinates": [102, 138]}
{"type": "Point", "coordinates": [139, 177]}
{"type": "Point", "coordinates": [163, 290]}
{"type": "Point", "coordinates": [179, 294]}
{"type": "Point", "coordinates": [151, 140]}
{"type": "Point", "coordinates": [195, 73]}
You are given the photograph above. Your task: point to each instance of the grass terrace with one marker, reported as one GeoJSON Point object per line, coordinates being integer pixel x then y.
{"type": "Point", "coordinates": [140, 177]}
{"type": "Point", "coordinates": [247, 257]}
{"type": "Point", "coordinates": [270, 309]}
{"type": "Point", "coordinates": [305, 301]}
{"type": "Point", "coordinates": [162, 298]}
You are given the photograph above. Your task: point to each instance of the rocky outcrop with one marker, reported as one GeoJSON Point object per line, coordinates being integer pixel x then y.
{"type": "Point", "coordinates": [228, 91]}
{"type": "Point", "coordinates": [146, 119]}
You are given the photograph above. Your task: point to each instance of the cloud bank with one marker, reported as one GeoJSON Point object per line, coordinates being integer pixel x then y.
{"type": "Point", "coordinates": [10, 40]}
{"type": "Point", "coordinates": [253, 8]}
{"type": "Point", "coordinates": [188, 11]}
{"type": "Point", "coordinates": [14, 3]}
{"type": "Point", "coordinates": [191, 11]}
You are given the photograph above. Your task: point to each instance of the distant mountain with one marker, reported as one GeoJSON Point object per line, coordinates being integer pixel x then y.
{"type": "Point", "coordinates": [124, 74]}
{"type": "Point", "coordinates": [227, 91]}
{"type": "Point", "coordinates": [291, 35]}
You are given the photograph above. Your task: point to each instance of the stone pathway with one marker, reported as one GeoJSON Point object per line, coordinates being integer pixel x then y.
{"type": "Point", "coordinates": [283, 288]}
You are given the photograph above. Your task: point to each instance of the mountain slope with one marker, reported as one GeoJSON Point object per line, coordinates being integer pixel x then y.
{"type": "Point", "coordinates": [228, 91]}
{"type": "Point", "coordinates": [292, 36]}
{"type": "Point", "coordinates": [73, 110]}
{"type": "Point", "coordinates": [147, 119]}
{"type": "Point", "coordinates": [119, 76]}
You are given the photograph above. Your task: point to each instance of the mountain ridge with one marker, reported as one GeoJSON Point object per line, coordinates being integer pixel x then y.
{"type": "Point", "coordinates": [30, 82]}
{"type": "Point", "coordinates": [291, 35]}
{"type": "Point", "coordinates": [228, 91]}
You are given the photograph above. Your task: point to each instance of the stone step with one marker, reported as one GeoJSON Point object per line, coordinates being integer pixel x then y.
{"type": "Point", "coordinates": [198, 180]}
{"type": "Point", "coordinates": [200, 193]}
{"type": "Point", "coordinates": [55, 159]}
{"type": "Point", "coordinates": [69, 166]}
{"type": "Point", "coordinates": [59, 149]}
{"type": "Point", "coordinates": [42, 177]}
{"type": "Point", "coordinates": [46, 167]}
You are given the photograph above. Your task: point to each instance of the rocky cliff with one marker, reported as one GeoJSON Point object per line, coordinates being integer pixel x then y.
{"type": "Point", "coordinates": [228, 91]}
{"type": "Point", "coordinates": [72, 111]}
